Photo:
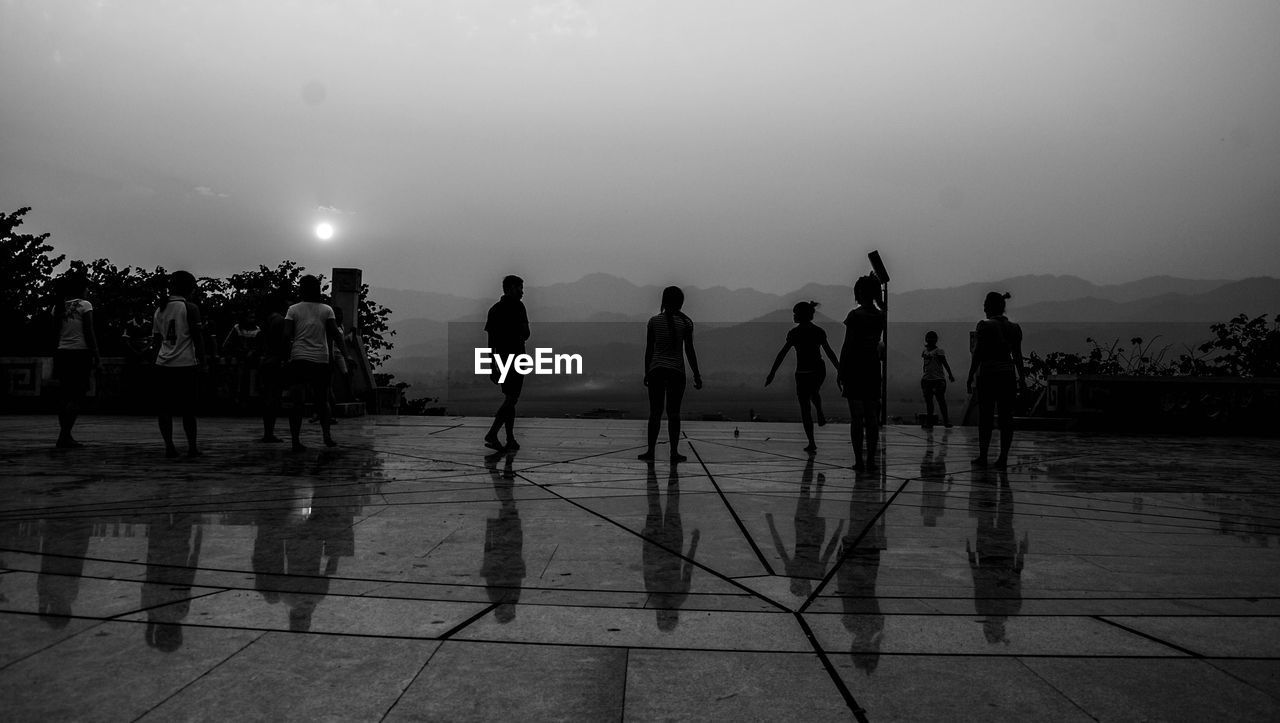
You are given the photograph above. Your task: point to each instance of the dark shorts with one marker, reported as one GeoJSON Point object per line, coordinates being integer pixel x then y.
{"type": "Point", "coordinates": [513, 385]}
{"type": "Point", "coordinates": [934, 387]}
{"type": "Point", "coordinates": [72, 367]}
{"type": "Point", "coordinates": [997, 387]}
{"type": "Point", "coordinates": [178, 388]}
{"type": "Point", "coordinates": [312, 375]}
{"type": "Point", "coordinates": [862, 379]}
{"type": "Point", "coordinates": [809, 383]}
{"type": "Point", "coordinates": [665, 386]}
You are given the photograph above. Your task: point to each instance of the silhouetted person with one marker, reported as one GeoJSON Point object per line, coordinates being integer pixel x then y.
{"type": "Point", "coordinates": [668, 339]}
{"type": "Point", "coordinates": [996, 564]}
{"type": "Point", "coordinates": [173, 556]}
{"type": "Point", "coordinates": [933, 477]}
{"type": "Point", "coordinates": [311, 327]}
{"type": "Point", "coordinates": [860, 369]}
{"type": "Point", "coordinates": [273, 358]}
{"type": "Point", "coordinates": [858, 571]}
{"type": "Point", "coordinates": [240, 348]}
{"type": "Point", "coordinates": [809, 562]}
{"type": "Point", "coordinates": [77, 353]}
{"type": "Point", "coordinates": [178, 333]}
{"type": "Point", "coordinates": [997, 368]}
{"type": "Point", "coordinates": [809, 340]}
{"type": "Point", "coordinates": [668, 573]}
{"type": "Point", "coordinates": [64, 541]}
{"type": "Point", "coordinates": [508, 328]}
{"type": "Point", "coordinates": [503, 568]}
{"type": "Point", "coordinates": [933, 379]}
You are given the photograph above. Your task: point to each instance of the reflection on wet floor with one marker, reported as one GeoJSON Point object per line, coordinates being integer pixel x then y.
{"type": "Point", "coordinates": [768, 583]}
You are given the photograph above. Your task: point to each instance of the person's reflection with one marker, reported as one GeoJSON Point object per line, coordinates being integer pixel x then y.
{"type": "Point", "coordinates": [63, 544]}
{"type": "Point", "coordinates": [858, 571]}
{"type": "Point", "coordinates": [810, 562]}
{"type": "Point", "coordinates": [173, 554]}
{"type": "Point", "coordinates": [667, 573]}
{"type": "Point", "coordinates": [503, 567]}
{"type": "Point", "coordinates": [996, 564]}
{"type": "Point", "coordinates": [300, 541]}
{"type": "Point", "coordinates": [933, 476]}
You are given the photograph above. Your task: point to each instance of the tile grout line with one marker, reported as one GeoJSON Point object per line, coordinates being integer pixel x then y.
{"type": "Point", "coordinates": [1054, 688]}
{"type": "Point", "coordinates": [858, 711]}
{"type": "Point", "coordinates": [200, 677]}
{"type": "Point", "coordinates": [733, 513]}
{"type": "Point", "coordinates": [1133, 631]}
{"type": "Point", "coordinates": [413, 680]}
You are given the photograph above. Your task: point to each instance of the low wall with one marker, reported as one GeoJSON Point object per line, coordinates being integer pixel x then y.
{"type": "Point", "coordinates": [1183, 405]}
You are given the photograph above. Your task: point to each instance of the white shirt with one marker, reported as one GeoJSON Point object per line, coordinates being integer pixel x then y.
{"type": "Point", "coordinates": [310, 338]}
{"type": "Point", "coordinates": [71, 335]}
{"type": "Point", "coordinates": [176, 346]}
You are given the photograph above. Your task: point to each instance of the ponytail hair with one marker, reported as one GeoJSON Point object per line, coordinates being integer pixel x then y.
{"type": "Point", "coordinates": [994, 302]}
{"type": "Point", "coordinates": [805, 310]}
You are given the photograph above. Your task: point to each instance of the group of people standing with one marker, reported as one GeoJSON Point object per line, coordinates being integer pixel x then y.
{"type": "Point", "coordinates": [995, 373]}
{"type": "Point", "coordinates": [296, 348]}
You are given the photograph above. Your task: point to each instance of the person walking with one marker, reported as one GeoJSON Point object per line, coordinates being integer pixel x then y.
{"type": "Point", "coordinates": [508, 328]}
{"type": "Point", "coordinates": [668, 339]}
{"type": "Point", "coordinates": [809, 340]}
{"type": "Point", "coordinates": [933, 379]}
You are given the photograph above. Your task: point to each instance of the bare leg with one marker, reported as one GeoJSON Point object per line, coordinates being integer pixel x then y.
{"type": "Point", "coordinates": [855, 431]}
{"type": "Point", "coordinates": [806, 421]}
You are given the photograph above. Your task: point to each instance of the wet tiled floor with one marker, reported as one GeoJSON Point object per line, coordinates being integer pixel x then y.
{"type": "Point", "coordinates": [404, 575]}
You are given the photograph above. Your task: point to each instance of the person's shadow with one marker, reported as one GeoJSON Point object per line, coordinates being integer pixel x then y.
{"type": "Point", "coordinates": [173, 555]}
{"type": "Point", "coordinates": [996, 563]}
{"type": "Point", "coordinates": [63, 545]}
{"type": "Point", "coordinates": [300, 540]}
{"type": "Point", "coordinates": [933, 477]}
{"type": "Point", "coordinates": [858, 571]}
{"type": "Point", "coordinates": [503, 568]}
{"type": "Point", "coordinates": [668, 572]}
{"type": "Point", "coordinates": [810, 561]}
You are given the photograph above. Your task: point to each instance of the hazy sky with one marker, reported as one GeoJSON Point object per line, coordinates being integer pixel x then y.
{"type": "Point", "coordinates": [734, 142]}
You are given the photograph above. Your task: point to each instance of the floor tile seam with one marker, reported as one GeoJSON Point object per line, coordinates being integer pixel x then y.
{"type": "Point", "coordinates": [679, 554]}
{"type": "Point", "coordinates": [1148, 636]}
{"type": "Point", "coordinates": [412, 681]}
{"type": "Point", "coordinates": [826, 580]}
{"type": "Point", "coordinates": [213, 591]}
{"type": "Point", "coordinates": [742, 528]}
{"type": "Point", "coordinates": [1061, 693]}
{"type": "Point", "coordinates": [833, 675]}
{"type": "Point", "coordinates": [1213, 663]}
{"type": "Point", "coordinates": [198, 678]}
{"type": "Point", "coordinates": [382, 584]}
{"type": "Point", "coordinates": [98, 624]}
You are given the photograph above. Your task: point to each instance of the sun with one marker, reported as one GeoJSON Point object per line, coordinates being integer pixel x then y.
{"type": "Point", "coordinates": [324, 231]}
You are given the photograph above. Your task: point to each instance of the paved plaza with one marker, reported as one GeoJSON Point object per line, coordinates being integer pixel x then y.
{"type": "Point", "coordinates": [404, 575]}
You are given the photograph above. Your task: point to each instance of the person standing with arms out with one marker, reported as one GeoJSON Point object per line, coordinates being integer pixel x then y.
{"type": "Point", "coordinates": [77, 353]}
{"type": "Point", "coordinates": [310, 326]}
{"type": "Point", "coordinates": [177, 330]}
{"type": "Point", "coordinates": [508, 329]}
{"type": "Point", "coordinates": [810, 341]}
{"type": "Point", "coordinates": [933, 380]}
{"type": "Point", "coordinates": [860, 369]}
{"type": "Point", "coordinates": [668, 339]}
{"type": "Point", "coordinates": [996, 366]}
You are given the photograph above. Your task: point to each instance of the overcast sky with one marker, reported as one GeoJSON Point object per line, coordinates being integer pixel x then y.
{"type": "Point", "coordinates": [734, 142]}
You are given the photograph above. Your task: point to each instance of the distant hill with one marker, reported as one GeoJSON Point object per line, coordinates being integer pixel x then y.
{"type": "Point", "coordinates": [421, 318]}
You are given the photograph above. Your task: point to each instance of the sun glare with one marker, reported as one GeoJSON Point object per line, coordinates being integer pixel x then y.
{"type": "Point", "coordinates": [324, 231]}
